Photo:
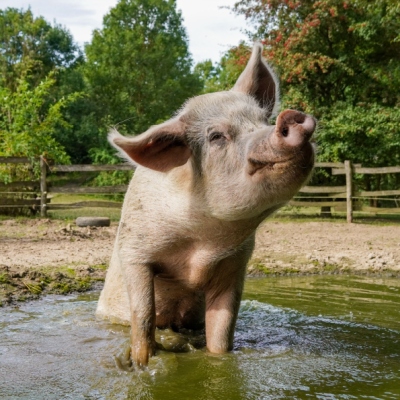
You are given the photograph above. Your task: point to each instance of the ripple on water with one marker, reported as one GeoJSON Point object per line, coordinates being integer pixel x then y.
{"type": "Point", "coordinates": [286, 346]}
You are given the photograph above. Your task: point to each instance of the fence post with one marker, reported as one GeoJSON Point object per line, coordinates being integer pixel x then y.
{"type": "Point", "coordinates": [349, 190]}
{"type": "Point", "coordinates": [43, 187]}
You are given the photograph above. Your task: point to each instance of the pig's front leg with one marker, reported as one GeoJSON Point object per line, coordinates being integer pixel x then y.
{"type": "Point", "coordinates": [222, 307]}
{"type": "Point", "coordinates": [140, 284]}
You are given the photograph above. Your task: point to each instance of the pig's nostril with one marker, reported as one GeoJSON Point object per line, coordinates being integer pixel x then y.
{"type": "Point", "coordinates": [285, 131]}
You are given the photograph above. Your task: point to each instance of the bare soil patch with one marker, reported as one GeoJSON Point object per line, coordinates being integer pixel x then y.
{"type": "Point", "coordinates": [327, 247]}
{"type": "Point", "coordinates": [39, 256]}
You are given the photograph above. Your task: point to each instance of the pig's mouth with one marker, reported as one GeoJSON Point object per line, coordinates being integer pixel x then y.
{"type": "Point", "coordinates": [303, 157]}
{"type": "Point", "coordinates": [257, 165]}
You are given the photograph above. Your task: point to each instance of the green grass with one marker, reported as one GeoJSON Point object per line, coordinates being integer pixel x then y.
{"type": "Point", "coordinates": [313, 214]}
{"type": "Point", "coordinates": [46, 280]}
{"type": "Point", "coordinates": [71, 214]}
{"type": "Point", "coordinates": [286, 214]}
{"type": "Point", "coordinates": [4, 278]}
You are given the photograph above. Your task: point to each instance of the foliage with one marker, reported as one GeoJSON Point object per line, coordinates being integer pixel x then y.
{"type": "Point", "coordinates": [333, 50]}
{"type": "Point", "coordinates": [368, 132]}
{"type": "Point", "coordinates": [208, 73]}
{"type": "Point", "coordinates": [138, 66]}
{"type": "Point", "coordinates": [103, 156]}
{"type": "Point", "coordinates": [31, 47]}
{"type": "Point", "coordinates": [81, 134]}
{"type": "Point", "coordinates": [223, 75]}
{"type": "Point", "coordinates": [28, 122]}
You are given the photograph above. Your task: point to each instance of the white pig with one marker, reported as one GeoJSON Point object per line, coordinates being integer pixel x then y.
{"type": "Point", "coordinates": [205, 180]}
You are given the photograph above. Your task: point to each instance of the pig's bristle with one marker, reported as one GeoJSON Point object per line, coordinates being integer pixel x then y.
{"type": "Point", "coordinates": [114, 135]}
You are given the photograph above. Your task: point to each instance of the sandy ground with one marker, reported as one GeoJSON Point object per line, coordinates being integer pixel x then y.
{"type": "Point", "coordinates": [53, 243]}
{"type": "Point", "coordinates": [42, 256]}
{"type": "Point", "coordinates": [280, 246]}
{"type": "Point", "coordinates": [309, 247]}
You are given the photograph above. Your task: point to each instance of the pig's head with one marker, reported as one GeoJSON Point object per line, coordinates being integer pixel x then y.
{"type": "Point", "coordinates": [238, 165]}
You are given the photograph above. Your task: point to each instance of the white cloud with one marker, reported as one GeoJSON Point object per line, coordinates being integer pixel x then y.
{"type": "Point", "coordinates": [211, 30]}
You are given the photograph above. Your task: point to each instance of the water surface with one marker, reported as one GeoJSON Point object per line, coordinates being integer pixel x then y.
{"type": "Point", "coordinates": [296, 338]}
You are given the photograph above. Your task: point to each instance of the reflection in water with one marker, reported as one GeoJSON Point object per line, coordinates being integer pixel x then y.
{"type": "Point", "coordinates": [303, 337]}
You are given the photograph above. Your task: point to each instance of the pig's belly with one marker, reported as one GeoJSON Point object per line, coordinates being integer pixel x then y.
{"type": "Point", "coordinates": [178, 306]}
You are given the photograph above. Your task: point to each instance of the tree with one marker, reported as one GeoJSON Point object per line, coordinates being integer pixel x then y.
{"type": "Point", "coordinates": [138, 65]}
{"type": "Point", "coordinates": [30, 50]}
{"type": "Point", "coordinates": [27, 125]}
{"type": "Point", "coordinates": [340, 61]}
{"type": "Point", "coordinates": [31, 47]}
{"type": "Point", "coordinates": [80, 134]}
{"type": "Point", "coordinates": [223, 75]}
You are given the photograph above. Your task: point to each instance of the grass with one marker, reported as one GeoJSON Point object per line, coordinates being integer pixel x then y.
{"type": "Point", "coordinates": [46, 280]}
{"type": "Point", "coordinates": [313, 214]}
{"type": "Point", "coordinates": [259, 266]}
{"type": "Point", "coordinates": [285, 214]}
{"type": "Point", "coordinates": [4, 278]}
{"type": "Point", "coordinates": [71, 214]}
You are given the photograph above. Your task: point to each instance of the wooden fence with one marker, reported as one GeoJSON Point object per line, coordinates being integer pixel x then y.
{"type": "Point", "coordinates": [333, 196]}
{"type": "Point", "coordinates": [29, 188]}
{"type": "Point", "coordinates": [40, 191]}
{"type": "Point", "coordinates": [341, 198]}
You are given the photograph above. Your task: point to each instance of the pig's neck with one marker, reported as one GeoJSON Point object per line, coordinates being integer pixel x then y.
{"type": "Point", "coordinates": [176, 205]}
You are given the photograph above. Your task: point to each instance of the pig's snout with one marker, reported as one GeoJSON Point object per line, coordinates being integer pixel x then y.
{"type": "Point", "coordinates": [293, 128]}
{"type": "Point", "coordinates": [289, 140]}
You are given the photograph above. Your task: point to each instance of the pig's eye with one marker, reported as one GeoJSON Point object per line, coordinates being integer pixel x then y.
{"type": "Point", "coordinates": [216, 136]}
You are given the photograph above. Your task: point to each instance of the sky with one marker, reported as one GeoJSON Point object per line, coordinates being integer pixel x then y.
{"type": "Point", "coordinates": [211, 29]}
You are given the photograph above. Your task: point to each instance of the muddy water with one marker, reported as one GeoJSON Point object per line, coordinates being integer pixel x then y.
{"type": "Point", "coordinates": [296, 338]}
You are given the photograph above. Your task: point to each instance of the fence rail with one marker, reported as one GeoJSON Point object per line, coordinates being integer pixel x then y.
{"type": "Point", "coordinates": [348, 191]}
{"type": "Point", "coordinates": [15, 160]}
{"type": "Point", "coordinates": [326, 197]}
{"type": "Point", "coordinates": [91, 168]}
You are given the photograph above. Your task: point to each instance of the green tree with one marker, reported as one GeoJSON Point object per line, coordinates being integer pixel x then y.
{"type": "Point", "coordinates": [31, 47]}
{"type": "Point", "coordinates": [27, 125]}
{"type": "Point", "coordinates": [80, 134]}
{"type": "Point", "coordinates": [224, 74]}
{"type": "Point", "coordinates": [138, 66]}
{"type": "Point", "coordinates": [332, 50]}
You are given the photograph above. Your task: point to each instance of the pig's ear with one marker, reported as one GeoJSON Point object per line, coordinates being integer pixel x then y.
{"type": "Point", "coordinates": [259, 81]}
{"type": "Point", "coordinates": [161, 148]}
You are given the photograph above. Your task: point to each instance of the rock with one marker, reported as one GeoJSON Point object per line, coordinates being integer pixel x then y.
{"type": "Point", "coordinates": [92, 221]}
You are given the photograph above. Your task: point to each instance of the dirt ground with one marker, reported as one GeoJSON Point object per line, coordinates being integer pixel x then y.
{"type": "Point", "coordinates": [39, 256]}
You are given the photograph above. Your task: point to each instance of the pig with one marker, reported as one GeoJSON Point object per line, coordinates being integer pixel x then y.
{"type": "Point", "coordinates": [205, 180]}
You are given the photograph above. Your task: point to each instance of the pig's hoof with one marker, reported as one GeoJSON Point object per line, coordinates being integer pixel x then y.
{"type": "Point", "coordinates": [92, 221]}
{"type": "Point", "coordinates": [123, 359]}
{"type": "Point", "coordinates": [125, 362]}
{"type": "Point", "coordinates": [140, 354]}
